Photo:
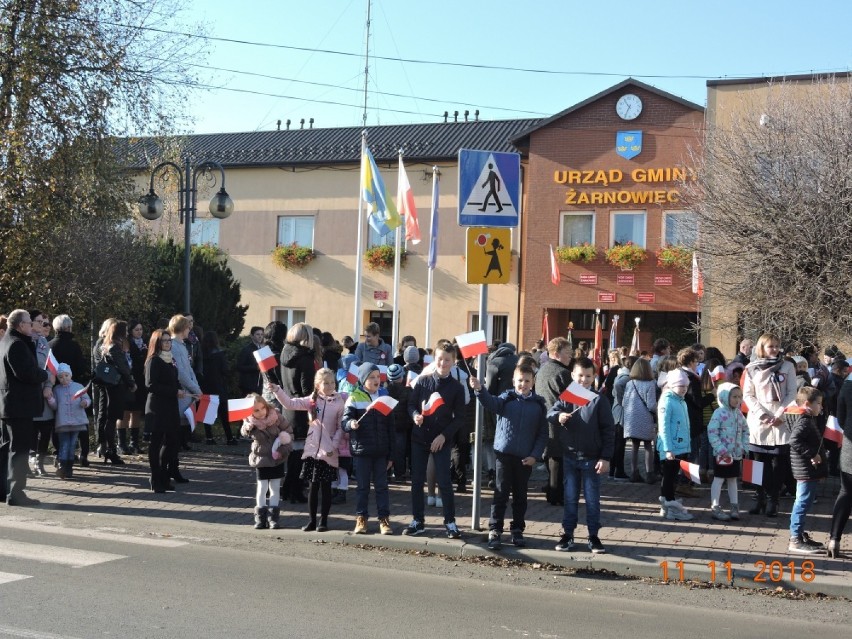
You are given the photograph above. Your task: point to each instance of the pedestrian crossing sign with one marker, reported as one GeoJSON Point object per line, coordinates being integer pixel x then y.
{"type": "Point", "coordinates": [488, 255]}
{"type": "Point", "coordinates": [489, 188]}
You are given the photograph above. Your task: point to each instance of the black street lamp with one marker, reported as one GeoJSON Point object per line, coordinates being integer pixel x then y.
{"type": "Point", "coordinates": [221, 206]}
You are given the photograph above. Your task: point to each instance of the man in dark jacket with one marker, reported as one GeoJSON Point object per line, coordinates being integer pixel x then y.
{"type": "Point", "coordinates": [553, 378]}
{"type": "Point", "coordinates": [20, 401]}
{"type": "Point", "coordinates": [499, 368]}
{"type": "Point", "coordinates": [67, 350]}
{"type": "Point", "coordinates": [247, 369]}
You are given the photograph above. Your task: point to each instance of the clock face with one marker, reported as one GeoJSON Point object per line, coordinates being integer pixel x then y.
{"type": "Point", "coordinates": [628, 107]}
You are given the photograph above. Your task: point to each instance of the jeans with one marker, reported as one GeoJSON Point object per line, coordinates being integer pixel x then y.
{"type": "Point", "coordinates": [577, 471]}
{"type": "Point", "coordinates": [371, 468]}
{"type": "Point", "coordinates": [511, 476]}
{"type": "Point", "coordinates": [842, 506]}
{"type": "Point", "coordinates": [419, 459]}
{"type": "Point", "coordinates": [67, 444]}
{"type": "Point", "coordinates": [805, 493]}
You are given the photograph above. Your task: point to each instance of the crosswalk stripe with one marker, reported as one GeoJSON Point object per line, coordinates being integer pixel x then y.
{"type": "Point", "coordinates": [9, 631]}
{"type": "Point", "coordinates": [33, 526]}
{"type": "Point", "coordinates": [9, 577]}
{"type": "Point", "coordinates": [55, 554]}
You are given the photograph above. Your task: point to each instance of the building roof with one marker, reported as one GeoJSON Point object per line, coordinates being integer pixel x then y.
{"type": "Point", "coordinates": [803, 77]}
{"type": "Point", "coordinates": [522, 139]}
{"type": "Point", "coordinates": [420, 143]}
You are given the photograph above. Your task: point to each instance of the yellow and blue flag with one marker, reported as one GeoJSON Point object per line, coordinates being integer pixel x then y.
{"type": "Point", "coordinates": [383, 216]}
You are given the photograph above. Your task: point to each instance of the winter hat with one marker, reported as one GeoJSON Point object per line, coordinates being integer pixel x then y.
{"type": "Point", "coordinates": [411, 355]}
{"type": "Point", "coordinates": [63, 368]}
{"type": "Point", "coordinates": [395, 372]}
{"type": "Point", "coordinates": [364, 371]}
{"type": "Point", "coordinates": [799, 359]}
{"type": "Point", "coordinates": [677, 377]}
{"type": "Point", "coordinates": [724, 392]}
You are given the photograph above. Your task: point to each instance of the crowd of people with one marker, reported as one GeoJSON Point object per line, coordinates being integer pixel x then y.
{"type": "Point", "coordinates": [332, 410]}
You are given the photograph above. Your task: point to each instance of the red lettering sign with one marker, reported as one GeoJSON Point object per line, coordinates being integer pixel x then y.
{"type": "Point", "coordinates": [625, 279]}
{"type": "Point", "coordinates": [606, 298]}
{"type": "Point", "coordinates": [380, 295]}
{"type": "Point", "coordinates": [646, 298]}
{"type": "Point", "coordinates": [588, 278]}
{"type": "Point", "coordinates": [663, 280]}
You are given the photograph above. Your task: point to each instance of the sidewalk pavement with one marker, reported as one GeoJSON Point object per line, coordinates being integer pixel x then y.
{"type": "Point", "coordinates": [638, 541]}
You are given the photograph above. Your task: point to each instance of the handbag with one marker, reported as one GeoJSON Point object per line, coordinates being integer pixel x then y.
{"type": "Point", "coordinates": [106, 374]}
{"type": "Point", "coordinates": [653, 413]}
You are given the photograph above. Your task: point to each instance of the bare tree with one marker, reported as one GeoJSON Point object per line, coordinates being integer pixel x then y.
{"type": "Point", "coordinates": [774, 196]}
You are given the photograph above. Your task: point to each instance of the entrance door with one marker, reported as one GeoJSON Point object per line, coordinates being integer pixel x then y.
{"type": "Point", "coordinates": [385, 321]}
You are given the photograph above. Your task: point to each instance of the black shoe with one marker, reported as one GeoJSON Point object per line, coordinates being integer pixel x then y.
{"type": "Point", "coordinates": [518, 538]}
{"type": "Point", "coordinates": [310, 526]}
{"type": "Point", "coordinates": [100, 451]}
{"type": "Point", "coordinates": [595, 545]}
{"type": "Point", "coordinates": [566, 542]}
{"type": "Point", "coordinates": [21, 500]}
{"type": "Point", "coordinates": [772, 508]}
{"type": "Point", "coordinates": [494, 541]}
{"type": "Point", "coordinates": [84, 461]}
{"type": "Point", "coordinates": [114, 459]}
{"type": "Point", "coordinates": [179, 479]}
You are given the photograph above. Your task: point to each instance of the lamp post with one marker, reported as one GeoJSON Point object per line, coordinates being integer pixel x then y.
{"type": "Point", "coordinates": [221, 206]}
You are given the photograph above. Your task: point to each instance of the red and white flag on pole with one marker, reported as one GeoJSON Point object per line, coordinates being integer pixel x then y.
{"type": "Point", "coordinates": [405, 205]}
{"type": "Point", "coordinates": [207, 409]}
{"type": "Point", "coordinates": [833, 431]}
{"type": "Point", "coordinates": [753, 472]}
{"type": "Point", "coordinates": [51, 364]}
{"type": "Point", "coordinates": [717, 374]}
{"type": "Point", "coordinates": [577, 394]}
{"type": "Point", "coordinates": [555, 275]}
{"type": "Point", "coordinates": [384, 404]}
{"type": "Point", "coordinates": [239, 409]}
{"type": "Point", "coordinates": [432, 404]}
{"type": "Point", "coordinates": [691, 471]}
{"type": "Point", "coordinates": [697, 277]}
{"type": "Point", "coordinates": [472, 344]}
{"type": "Point", "coordinates": [383, 373]}
{"type": "Point", "coordinates": [190, 416]}
{"type": "Point", "coordinates": [265, 359]}
{"type": "Point", "coordinates": [352, 374]}
{"type": "Point", "coordinates": [545, 329]}
{"type": "Point", "coordinates": [597, 354]}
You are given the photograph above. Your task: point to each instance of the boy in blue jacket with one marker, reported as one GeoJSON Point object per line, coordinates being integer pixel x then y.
{"type": "Point", "coordinates": [519, 442]}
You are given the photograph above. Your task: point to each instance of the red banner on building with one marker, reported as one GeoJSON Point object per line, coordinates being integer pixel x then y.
{"type": "Point", "coordinates": [646, 298]}
{"type": "Point", "coordinates": [588, 278]}
{"type": "Point", "coordinates": [625, 279]}
{"type": "Point", "coordinates": [663, 280]}
{"type": "Point", "coordinates": [606, 298]}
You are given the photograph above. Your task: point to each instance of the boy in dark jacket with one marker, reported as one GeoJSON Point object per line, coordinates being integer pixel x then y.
{"type": "Point", "coordinates": [587, 437]}
{"type": "Point", "coordinates": [807, 457]}
{"type": "Point", "coordinates": [519, 442]}
{"type": "Point", "coordinates": [399, 390]}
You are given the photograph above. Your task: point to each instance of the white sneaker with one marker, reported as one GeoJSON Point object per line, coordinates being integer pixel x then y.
{"type": "Point", "coordinates": [676, 512]}
{"type": "Point", "coordinates": [439, 503]}
{"type": "Point", "coordinates": [430, 500]}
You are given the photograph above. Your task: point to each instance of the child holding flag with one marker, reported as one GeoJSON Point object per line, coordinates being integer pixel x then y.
{"type": "Point", "coordinates": [367, 418]}
{"type": "Point", "coordinates": [728, 435]}
{"type": "Point", "coordinates": [519, 443]}
{"type": "Point", "coordinates": [272, 439]}
{"type": "Point", "coordinates": [587, 436]}
{"type": "Point", "coordinates": [69, 400]}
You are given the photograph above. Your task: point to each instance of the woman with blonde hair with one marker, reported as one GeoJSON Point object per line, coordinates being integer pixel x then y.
{"type": "Point", "coordinates": [115, 353]}
{"type": "Point", "coordinates": [640, 411]}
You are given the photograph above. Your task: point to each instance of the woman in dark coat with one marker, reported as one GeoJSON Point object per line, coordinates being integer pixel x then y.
{"type": "Point", "coordinates": [132, 422]}
{"type": "Point", "coordinates": [114, 350]}
{"type": "Point", "coordinates": [161, 409]}
{"type": "Point", "coordinates": [298, 368]}
{"type": "Point", "coordinates": [215, 382]}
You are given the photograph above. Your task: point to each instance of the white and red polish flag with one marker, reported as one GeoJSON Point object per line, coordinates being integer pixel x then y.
{"type": "Point", "coordinates": [239, 409]}
{"type": "Point", "coordinates": [190, 416]}
{"type": "Point", "coordinates": [577, 394]}
{"type": "Point", "coordinates": [411, 378]}
{"type": "Point", "coordinates": [472, 344]}
{"type": "Point", "coordinates": [207, 409]}
{"type": "Point", "coordinates": [384, 404]}
{"type": "Point", "coordinates": [697, 277]}
{"type": "Point", "coordinates": [383, 373]}
{"type": "Point", "coordinates": [352, 374]}
{"type": "Point", "coordinates": [432, 404]}
{"type": "Point", "coordinates": [691, 471]}
{"type": "Point", "coordinates": [80, 393]}
{"type": "Point", "coordinates": [753, 472]}
{"type": "Point", "coordinates": [555, 275]}
{"type": "Point", "coordinates": [833, 431]}
{"type": "Point", "coordinates": [265, 359]}
{"type": "Point", "coordinates": [405, 205]}
{"type": "Point", "coordinates": [51, 364]}
{"type": "Point", "coordinates": [717, 374]}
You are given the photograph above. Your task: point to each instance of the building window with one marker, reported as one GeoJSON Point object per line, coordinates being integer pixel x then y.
{"type": "Point", "coordinates": [628, 226]}
{"type": "Point", "coordinates": [374, 239]}
{"type": "Point", "coordinates": [496, 328]}
{"type": "Point", "coordinates": [680, 228]}
{"type": "Point", "coordinates": [204, 231]}
{"type": "Point", "coordinates": [577, 229]}
{"type": "Point", "coordinates": [298, 229]}
{"type": "Point", "coordinates": [288, 316]}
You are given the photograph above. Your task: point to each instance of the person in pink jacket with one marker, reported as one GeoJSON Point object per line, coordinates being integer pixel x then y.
{"type": "Point", "coordinates": [320, 458]}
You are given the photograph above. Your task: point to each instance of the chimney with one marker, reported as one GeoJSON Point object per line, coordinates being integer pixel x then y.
{"type": "Point", "coordinates": [476, 116]}
{"type": "Point", "coordinates": [455, 116]}
{"type": "Point", "coordinates": [279, 125]}
{"type": "Point", "coordinates": [446, 115]}
{"type": "Point", "coordinates": [288, 124]}
{"type": "Point", "coordinates": [466, 113]}
{"type": "Point", "coordinates": [302, 122]}
{"type": "Point", "coordinates": [311, 123]}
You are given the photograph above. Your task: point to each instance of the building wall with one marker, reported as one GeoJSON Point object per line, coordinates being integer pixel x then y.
{"type": "Point", "coordinates": [584, 140]}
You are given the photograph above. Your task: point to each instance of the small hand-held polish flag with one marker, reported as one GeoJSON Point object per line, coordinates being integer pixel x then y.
{"type": "Point", "coordinates": [207, 409]}
{"type": "Point", "coordinates": [384, 404]}
{"type": "Point", "coordinates": [472, 344]}
{"type": "Point", "coordinates": [51, 364]}
{"type": "Point", "coordinates": [383, 373]}
{"type": "Point", "coordinates": [432, 404]}
{"type": "Point", "coordinates": [239, 409]}
{"type": "Point", "coordinates": [80, 393]}
{"type": "Point", "coordinates": [691, 471]}
{"type": "Point", "coordinates": [265, 359]}
{"type": "Point", "coordinates": [352, 374]}
{"type": "Point", "coordinates": [833, 431]}
{"type": "Point", "coordinates": [577, 394]}
{"type": "Point", "coordinates": [717, 374]}
{"type": "Point", "coordinates": [555, 275]}
{"type": "Point", "coordinates": [753, 472]}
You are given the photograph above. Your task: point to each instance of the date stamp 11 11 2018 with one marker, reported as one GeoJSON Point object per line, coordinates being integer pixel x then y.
{"type": "Point", "coordinates": [767, 571]}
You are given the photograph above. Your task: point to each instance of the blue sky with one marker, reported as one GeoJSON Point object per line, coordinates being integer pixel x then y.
{"type": "Point", "coordinates": [674, 46]}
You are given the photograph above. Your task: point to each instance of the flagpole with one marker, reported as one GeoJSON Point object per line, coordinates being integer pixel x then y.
{"type": "Point", "coordinates": [427, 340]}
{"type": "Point", "coordinates": [397, 249]}
{"type": "Point", "coordinates": [356, 329]}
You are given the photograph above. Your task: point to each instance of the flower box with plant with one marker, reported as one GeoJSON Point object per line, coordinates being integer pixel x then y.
{"type": "Point", "coordinates": [674, 256]}
{"type": "Point", "coordinates": [292, 255]}
{"type": "Point", "coordinates": [580, 253]}
{"type": "Point", "coordinates": [626, 256]}
{"type": "Point", "coordinates": [382, 257]}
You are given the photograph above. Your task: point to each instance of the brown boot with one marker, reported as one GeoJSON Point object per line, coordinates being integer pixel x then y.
{"type": "Point", "coordinates": [360, 525]}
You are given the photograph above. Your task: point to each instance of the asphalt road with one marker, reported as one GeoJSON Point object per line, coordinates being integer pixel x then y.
{"type": "Point", "coordinates": [82, 579]}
